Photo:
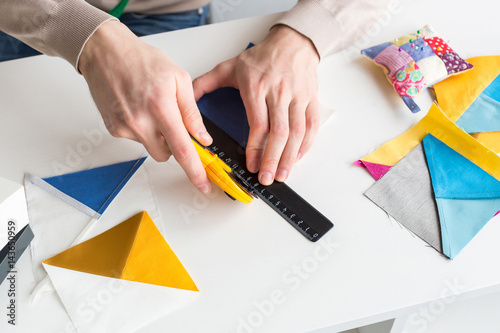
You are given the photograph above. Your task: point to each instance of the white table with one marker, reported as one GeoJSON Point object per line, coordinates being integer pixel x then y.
{"type": "Point", "coordinates": [243, 258]}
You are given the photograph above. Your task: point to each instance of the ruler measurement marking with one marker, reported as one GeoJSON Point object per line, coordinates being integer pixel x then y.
{"type": "Point", "coordinates": [275, 203]}
{"type": "Point", "coordinates": [235, 154]}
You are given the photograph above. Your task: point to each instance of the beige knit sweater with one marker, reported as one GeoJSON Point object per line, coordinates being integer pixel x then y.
{"type": "Point", "coordinates": [62, 27]}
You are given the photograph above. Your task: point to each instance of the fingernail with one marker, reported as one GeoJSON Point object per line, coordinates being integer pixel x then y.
{"type": "Point", "coordinates": [266, 178]}
{"type": "Point", "coordinates": [205, 137]}
{"type": "Point", "coordinates": [254, 166]}
{"type": "Point", "coordinates": [299, 156]}
{"type": "Point", "coordinates": [281, 175]}
{"type": "Point", "coordinates": [205, 189]}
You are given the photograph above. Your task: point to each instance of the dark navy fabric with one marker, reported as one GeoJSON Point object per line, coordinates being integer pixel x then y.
{"type": "Point", "coordinates": [225, 108]}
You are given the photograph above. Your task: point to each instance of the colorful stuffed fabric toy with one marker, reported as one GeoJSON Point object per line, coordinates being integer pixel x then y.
{"type": "Point", "coordinates": [414, 61]}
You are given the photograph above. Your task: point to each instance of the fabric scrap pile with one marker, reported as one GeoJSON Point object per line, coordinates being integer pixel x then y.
{"type": "Point", "coordinates": [99, 279]}
{"type": "Point", "coordinates": [441, 178]}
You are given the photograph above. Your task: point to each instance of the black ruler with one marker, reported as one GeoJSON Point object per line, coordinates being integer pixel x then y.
{"type": "Point", "coordinates": [280, 197]}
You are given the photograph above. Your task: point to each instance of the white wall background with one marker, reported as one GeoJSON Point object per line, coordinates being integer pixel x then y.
{"type": "Point", "coordinates": [225, 10]}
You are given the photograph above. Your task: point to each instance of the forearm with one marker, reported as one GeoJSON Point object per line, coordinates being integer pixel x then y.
{"type": "Point", "coordinates": [54, 27]}
{"type": "Point", "coordinates": [333, 25]}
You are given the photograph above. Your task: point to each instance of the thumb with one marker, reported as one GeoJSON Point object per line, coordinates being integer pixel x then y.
{"type": "Point", "coordinates": [216, 78]}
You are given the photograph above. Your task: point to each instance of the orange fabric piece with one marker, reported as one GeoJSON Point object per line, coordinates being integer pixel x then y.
{"type": "Point", "coordinates": [455, 94]}
{"type": "Point", "coordinates": [134, 250]}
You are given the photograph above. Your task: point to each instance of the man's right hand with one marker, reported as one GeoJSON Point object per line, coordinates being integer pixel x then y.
{"type": "Point", "coordinates": [144, 96]}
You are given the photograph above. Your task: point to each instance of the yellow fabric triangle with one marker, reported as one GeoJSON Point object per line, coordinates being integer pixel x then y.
{"type": "Point", "coordinates": [455, 94]}
{"type": "Point", "coordinates": [105, 254]}
{"type": "Point", "coordinates": [153, 261]}
{"type": "Point", "coordinates": [134, 250]}
{"type": "Point", "coordinates": [439, 125]}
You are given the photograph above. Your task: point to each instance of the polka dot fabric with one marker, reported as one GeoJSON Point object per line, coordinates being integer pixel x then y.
{"type": "Point", "coordinates": [453, 62]}
{"type": "Point", "coordinates": [438, 45]}
{"type": "Point", "coordinates": [413, 61]}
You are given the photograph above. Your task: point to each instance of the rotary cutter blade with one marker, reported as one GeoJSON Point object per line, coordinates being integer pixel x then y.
{"type": "Point", "coordinates": [220, 174]}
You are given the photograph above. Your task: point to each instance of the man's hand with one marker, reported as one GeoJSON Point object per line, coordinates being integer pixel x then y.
{"type": "Point", "coordinates": [144, 96]}
{"type": "Point", "coordinates": [278, 84]}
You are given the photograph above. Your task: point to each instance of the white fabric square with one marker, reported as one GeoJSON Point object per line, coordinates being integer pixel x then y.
{"type": "Point", "coordinates": [433, 68]}
{"type": "Point", "coordinates": [99, 304]}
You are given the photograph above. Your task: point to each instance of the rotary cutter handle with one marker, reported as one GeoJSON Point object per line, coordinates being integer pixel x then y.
{"type": "Point", "coordinates": [220, 174]}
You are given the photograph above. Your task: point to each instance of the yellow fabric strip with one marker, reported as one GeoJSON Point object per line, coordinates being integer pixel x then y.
{"type": "Point", "coordinates": [455, 94]}
{"type": "Point", "coordinates": [439, 125]}
{"type": "Point", "coordinates": [489, 139]}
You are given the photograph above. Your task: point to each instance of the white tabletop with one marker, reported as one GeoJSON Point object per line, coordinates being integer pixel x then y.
{"type": "Point", "coordinates": [243, 258]}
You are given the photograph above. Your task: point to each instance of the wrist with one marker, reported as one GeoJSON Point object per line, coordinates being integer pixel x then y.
{"type": "Point", "coordinates": [287, 37]}
{"type": "Point", "coordinates": [99, 43]}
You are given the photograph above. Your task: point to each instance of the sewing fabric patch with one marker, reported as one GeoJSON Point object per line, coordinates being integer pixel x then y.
{"type": "Point", "coordinates": [58, 219]}
{"type": "Point", "coordinates": [424, 56]}
{"type": "Point", "coordinates": [129, 268]}
{"type": "Point", "coordinates": [439, 125]}
{"type": "Point", "coordinates": [405, 193]}
{"type": "Point", "coordinates": [467, 197]}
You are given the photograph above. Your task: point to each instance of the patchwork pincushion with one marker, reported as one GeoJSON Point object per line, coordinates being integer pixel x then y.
{"type": "Point", "coordinates": [414, 61]}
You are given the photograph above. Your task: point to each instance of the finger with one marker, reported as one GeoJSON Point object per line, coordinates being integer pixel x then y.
{"type": "Point", "coordinates": [278, 137]}
{"type": "Point", "coordinates": [312, 126]}
{"type": "Point", "coordinates": [153, 140]}
{"type": "Point", "coordinates": [169, 152]}
{"type": "Point", "coordinates": [216, 78]}
{"type": "Point", "coordinates": [296, 135]}
{"type": "Point", "coordinates": [258, 120]}
{"type": "Point", "coordinates": [189, 110]}
{"type": "Point", "coordinates": [182, 147]}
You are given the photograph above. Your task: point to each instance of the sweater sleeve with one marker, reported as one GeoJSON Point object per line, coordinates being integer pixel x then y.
{"type": "Point", "coordinates": [333, 25]}
{"type": "Point", "coordinates": [54, 27]}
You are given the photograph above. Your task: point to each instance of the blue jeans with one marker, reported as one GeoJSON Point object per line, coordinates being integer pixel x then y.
{"type": "Point", "coordinates": [142, 25]}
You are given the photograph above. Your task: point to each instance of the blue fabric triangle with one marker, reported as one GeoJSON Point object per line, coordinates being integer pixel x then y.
{"type": "Point", "coordinates": [225, 108]}
{"type": "Point", "coordinates": [373, 51]}
{"type": "Point", "coordinates": [493, 89]}
{"type": "Point", "coordinates": [482, 116]}
{"type": "Point", "coordinates": [461, 220]}
{"type": "Point", "coordinates": [96, 188]}
{"type": "Point", "coordinates": [454, 176]}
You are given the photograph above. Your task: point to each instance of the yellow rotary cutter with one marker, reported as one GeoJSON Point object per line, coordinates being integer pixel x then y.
{"type": "Point", "coordinates": [219, 173]}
